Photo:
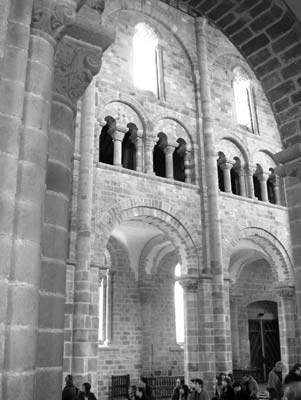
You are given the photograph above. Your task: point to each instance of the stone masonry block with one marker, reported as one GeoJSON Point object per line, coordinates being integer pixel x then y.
{"type": "Point", "coordinates": [50, 348]}
{"type": "Point", "coordinates": [281, 90]}
{"type": "Point", "coordinates": [20, 386]}
{"type": "Point", "coordinates": [14, 64]}
{"type": "Point", "coordinates": [9, 136]}
{"type": "Point", "coordinates": [17, 35]}
{"type": "Point", "coordinates": [13, 93]}
{"type": "Point", "coordinates": [50, 315]}
{"type": "Point", "coordinates": [35, 109]}
{"type": "Point", "coordinates": [7, 218]}
{"type": "Point", "coordinates": [20, 350]}
{"type": "Point", "coordinates": [27, 262]}
{"type": "Point", "coordinates": [255, 44]}
{"type": "Point", "coordinates": [58, 178]}
{"type": "Point", "coordinates": [48, 378]}
{"type": "Point", "coordinates": [53, 277]}
{"type": "Point", "coordinates": [23, 305]}
{"type": "Point", "coordinates": [282, 26]}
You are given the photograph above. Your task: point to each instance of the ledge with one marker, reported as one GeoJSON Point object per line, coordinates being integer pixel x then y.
{"type": "Point", "coordinates": [148, 176]}
{"type": "Point", "coordinates": [253, 200]}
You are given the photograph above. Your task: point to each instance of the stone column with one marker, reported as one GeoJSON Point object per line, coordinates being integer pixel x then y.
{"type": "Point", "coordinates": [191, 332]}
{"type": "Point", "coordinates": [109, 297]}
{"type": "Point", "coordinates": [85, 339]}
{"type": "Point", "coordinates": [118, 136]}
{"type": "Point", "coordinates": [235, 301]}
{"type": "Point", "coordinates": [47, 24]}
{"type": "Point", "coordinates": [226, 167]}
{"type": "Point", "coordinates": [139, 154]}
{"type": "Point", "coordinates": [290, 160]}
{"type": "Point", "coordinates": [250, 184]}
{"type": "Point", "coordinates": [263, 186]}
{"type": "Point", "coordinates": [275, 181]}
{"type": "Point", "coordinates": [168, 151]}
{"type": "Point", "coordinates": [146, 292]}
{"type": "Point", "coordinates": [187, 164]}
{"type": "Point", "coordinates": [221, 337]}
{"type": "Point", "coordinates": [288, 323]}
{"type": "Point", "coordinates": [242, 182]}
{"type": "Point", "coordinates": [149, 149]}
{"type": "Point", "coordinates": [76, 63]}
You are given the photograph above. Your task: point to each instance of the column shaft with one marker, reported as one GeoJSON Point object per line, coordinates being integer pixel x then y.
{"type": "Point", "coordinates": [264, 188]}
{"type": "Point", "coordinates": [139, 155]}
{"type": "Point", "coordinates": [187, 162]}
{"type": "Point", "coordinates": [242, 182]}
{"type": "Point", "coordinates": [23, 294]}
{"type": "Point", "coordinates": [85, 337]}
{"type": "Point", "coordinates": [109, 297]}
{"type": "Point", "coordinates": [13, 73]}
{"type": "Point", "coordinates": [226, 167]}
{"type": "Point", "coordinates": [250, 183]}
{"type": "Point", "coordinates": [117, 139]}
{"type": "Point", "coordinates": [223, 359]}
{"type": "Point", "coordinates": [169, 161]}
{"type": "Point", "coordinates": [149, 148]}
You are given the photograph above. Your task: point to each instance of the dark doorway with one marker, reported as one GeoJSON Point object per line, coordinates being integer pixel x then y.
{"type": "Point", "coordinates": [264, 343]}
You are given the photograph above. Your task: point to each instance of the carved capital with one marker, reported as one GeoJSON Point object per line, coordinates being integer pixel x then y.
{"type": "Point", "coordinates": [52, 18]}
{"type": "Point", "coordinates": [284, 290]}
{"type": "Point", "coordinates": [75, 65]}
{"type": "Point", "coordinates": [189, 283]}
{"type": "Point", "coordinates": [168, 150]}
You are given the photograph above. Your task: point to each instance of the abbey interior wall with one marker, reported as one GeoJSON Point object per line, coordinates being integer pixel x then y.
{"type": "Point", "coordinates": [114, 186]}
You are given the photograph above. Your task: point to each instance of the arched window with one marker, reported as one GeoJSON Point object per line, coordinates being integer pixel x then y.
{"type": "Point", "coordinates": [145, 44]}
{"type": "Point", "coordinates": [244, 100]}
{"type": "Point", "coordinates": [179, 307]}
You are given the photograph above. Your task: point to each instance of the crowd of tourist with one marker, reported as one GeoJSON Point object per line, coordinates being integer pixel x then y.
{"type": "Point", "coordinates": [224, 388]}
{"type": "Point", "coordinates": [71, 392]}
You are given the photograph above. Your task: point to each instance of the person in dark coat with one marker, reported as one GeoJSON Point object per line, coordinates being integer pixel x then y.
{"type": "Point", "coordinates": [294, 375]}
{"type": "Point", "coordinates": [70, 391]}
{"type": "Point", "coordinates": [148, 392]}
{"type": "Point", "coordinates": [86, 393]}
{"type": "Point", "coordinates": [250, 386]}
{"type": "Point", "coordinates": [227, 391]}
{"type": "Point", "coordinates": [176, 390]}
{"type": "Point", "coordinates": [199, 393]}
{"type": "Point", "coordinates": [274, 387]}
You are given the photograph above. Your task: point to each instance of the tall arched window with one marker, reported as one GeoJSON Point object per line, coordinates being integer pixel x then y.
{"type": "Point", "coordinates": [145, 44]}
{"type": "Point", "coordinates": [244, 100]}
{"type": "Point", "coordinates": [179, 307]}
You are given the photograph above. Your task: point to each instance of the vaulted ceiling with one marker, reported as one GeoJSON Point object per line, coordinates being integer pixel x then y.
{"type": "Point", "coordinates": [268, 35]}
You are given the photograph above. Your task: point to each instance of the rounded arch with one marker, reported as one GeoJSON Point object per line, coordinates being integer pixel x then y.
{"type": "Point", "coordinates": [264, 157]}
{"type": "Point", "coordinates": [174, 128]}
{"type": "Point", "coordinates": [237, 142]}
{"type": "Point", "coordinates": [144, 122]}
{"type": "Point", "coordinates": [275, 252]}
{"type": "Point", "coordinates": [167, 219]}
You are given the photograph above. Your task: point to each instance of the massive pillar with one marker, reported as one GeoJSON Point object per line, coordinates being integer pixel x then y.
{"type": "Point", "coordinates": [48, 24]}
{"type": "Point", "coordinates": [78, 58]}
{"type": "Point", "coordinates": [221, 337]}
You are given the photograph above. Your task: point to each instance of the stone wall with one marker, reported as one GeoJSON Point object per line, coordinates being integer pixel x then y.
{"type": "Point", "coordinates": [117, 190]}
